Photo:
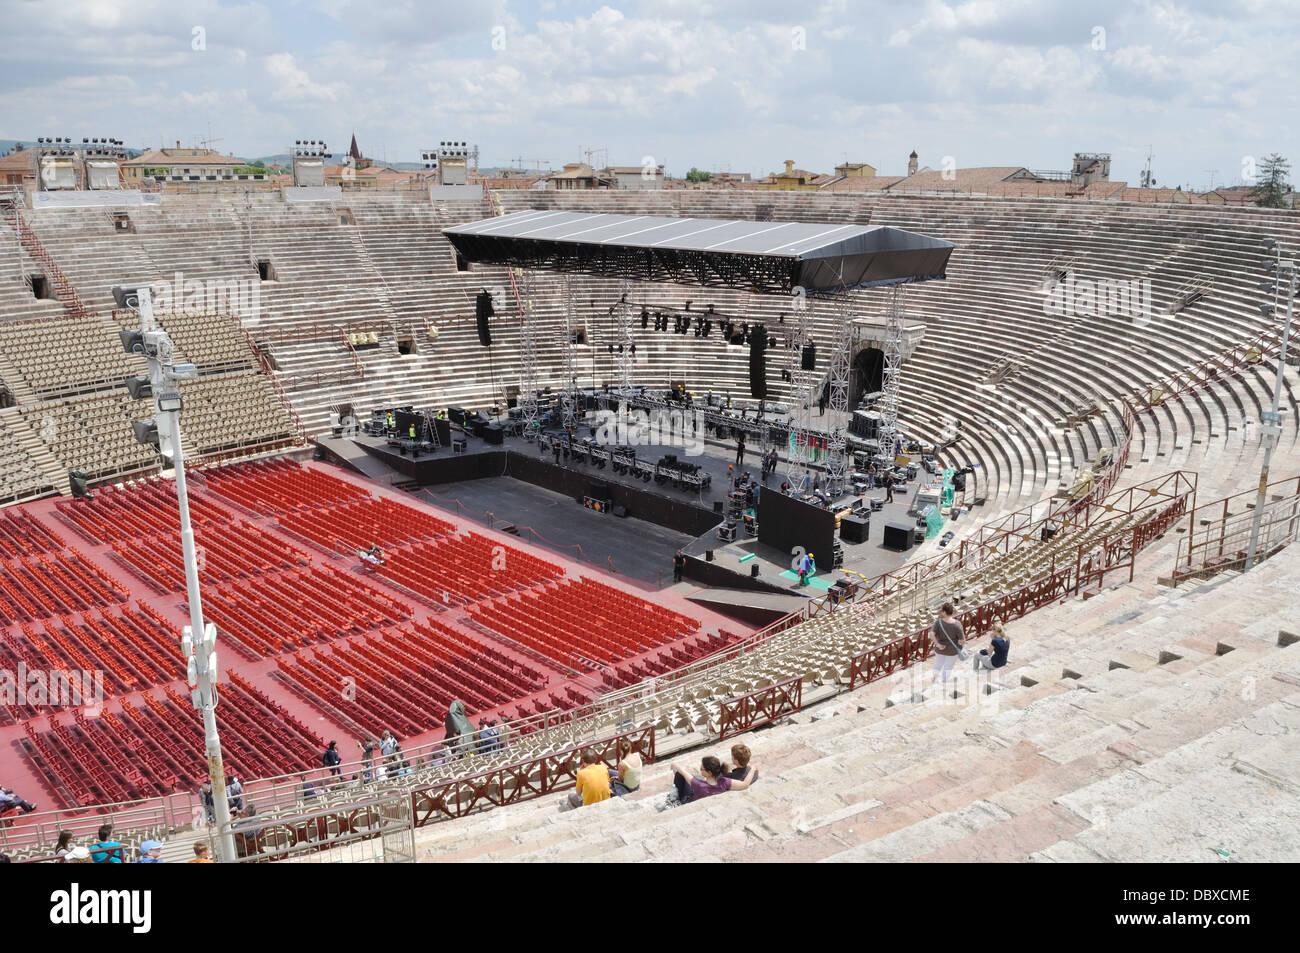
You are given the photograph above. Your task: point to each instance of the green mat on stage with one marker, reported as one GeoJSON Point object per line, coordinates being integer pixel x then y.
{"type": "Point", "coordinates": [814, 582]}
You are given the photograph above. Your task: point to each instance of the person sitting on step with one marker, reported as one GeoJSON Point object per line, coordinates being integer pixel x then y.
{"type": "Point", "coordinates": [740, 768]}
{"type": "Point", "coordinates": [995, 656]}
{"type": "Point", "coordinates": [710, 781]}
{"type": "Point", "coordinates": [593, 781]}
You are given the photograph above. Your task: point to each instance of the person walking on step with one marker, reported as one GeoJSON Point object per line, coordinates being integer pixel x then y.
{"type": "Point", "coordinates": [679, 565]}
{"type": "Point", "coordinates": [946, 636]}
{"type": "Point", "coordinates": [331, 759]}
{"type": "Point", "coordinates": [995, 656]}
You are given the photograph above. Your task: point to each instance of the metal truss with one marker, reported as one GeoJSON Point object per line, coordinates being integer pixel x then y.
{"type": "Point", "coordinates": [837, 461]}
{"type": "Point", "coordinates": [569, 393]}
{"type": "Point", "coordinates": [758, 274]}
{"type": "Point", "coordinates": [893, 370]}
{"type": "Point", "coordinates": [528, 342]}
{"type": "Point", "coordinates": [626, 347]}
{"type": "Point", "coordinates": [803, 385]}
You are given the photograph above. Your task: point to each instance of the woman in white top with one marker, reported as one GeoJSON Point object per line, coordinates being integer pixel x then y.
{"type": "Point", "coordinates": [628, 776]}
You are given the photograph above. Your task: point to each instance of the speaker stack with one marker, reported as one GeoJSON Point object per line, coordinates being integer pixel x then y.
{"type": "Point", "coordinates": [898, 537]}
{"type": "Point", "coordinates": [758, 362]}
{"type": "Point", "coordinates": [483, 312]}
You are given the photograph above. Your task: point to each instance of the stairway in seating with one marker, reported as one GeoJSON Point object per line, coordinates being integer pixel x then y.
{"type": "Point", "coordinates": [36, 450]}
{"type": "Point", "coordinates": [32, 245]}
{"type": "Point", "coordinates": [382, 291]}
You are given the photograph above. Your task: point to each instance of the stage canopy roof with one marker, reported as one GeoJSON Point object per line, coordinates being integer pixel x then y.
{"type": "Point", "coordinates": [760, 257]}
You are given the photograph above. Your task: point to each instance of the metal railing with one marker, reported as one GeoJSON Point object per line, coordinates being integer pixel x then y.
{"type": "Point", "coordinates": [760, 707]}
{"type": "Point", "coordinates": [1217, 538]}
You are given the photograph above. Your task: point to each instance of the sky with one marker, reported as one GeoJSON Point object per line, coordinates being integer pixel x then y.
{"type": "Point", "coordinates": [1208, 88]}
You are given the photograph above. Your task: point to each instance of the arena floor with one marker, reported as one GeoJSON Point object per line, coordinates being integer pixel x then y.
{"type": "Point", "coordinates": [17, 771]}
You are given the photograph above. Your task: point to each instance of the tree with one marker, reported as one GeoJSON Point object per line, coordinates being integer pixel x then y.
{"type": "Point", "coordinates": [1271, 183]}
{"type": "Point", "coordinates": [695, 175]}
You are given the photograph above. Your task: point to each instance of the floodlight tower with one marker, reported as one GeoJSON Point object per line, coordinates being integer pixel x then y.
{"type": "Point", "coordinates": [198, 642]}
{"type": "Point", "coordinates": [1283, 283]}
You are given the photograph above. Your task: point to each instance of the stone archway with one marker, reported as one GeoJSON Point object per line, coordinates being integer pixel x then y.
{"type": "Point", "coordinates": [866, 374]}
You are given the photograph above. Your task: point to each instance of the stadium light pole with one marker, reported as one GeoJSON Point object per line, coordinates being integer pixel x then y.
{"type": "Point", "coordinates": [1271, 426]}
{"type": "Point", "coordinates": [198, 642]}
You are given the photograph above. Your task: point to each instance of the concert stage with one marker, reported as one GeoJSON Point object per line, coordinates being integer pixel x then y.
{"type": "Point", "coordinates": [544, 501]}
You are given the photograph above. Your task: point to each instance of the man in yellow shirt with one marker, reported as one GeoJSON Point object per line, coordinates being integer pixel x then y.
{"type": "Point", "coordinates": [593, 781]}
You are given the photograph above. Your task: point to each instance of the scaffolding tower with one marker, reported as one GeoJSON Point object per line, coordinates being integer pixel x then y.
{"type": "Point", "coordinates": [837, 460]}
{"type": "Point", "coordinates": [528, 385]}
{"type": "Point", "coordinates": [803, 388]}
{"type": "Point", "coordinates": [626, 347]}
{"type": "Point", "coordinates": [893, 370]}
{"type": "Point", "coordinates": [569, 394]}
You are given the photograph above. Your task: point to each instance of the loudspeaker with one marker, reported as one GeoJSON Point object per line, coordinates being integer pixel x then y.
{"type": "Point", "coordinates": [898, 537]}
{"type": "Point", "coordinates": [753, 571]}
{"type": "Point", "coordinates": [855, 529]}
{"type": "Point", "coordinates": [482, 312]}
{"type": "Point", "coordinates": [1046, 533]}
{"type": "Point", "coordinates": [809, 358]}
{"type": "Point", "coordinates": [494, 434]}
{"type": "Point", "coordinates": [758, 363]}
{"type": "Point", "coordinates": [717, 506]}
{"type": "Point", "coordinates": [620, 510]}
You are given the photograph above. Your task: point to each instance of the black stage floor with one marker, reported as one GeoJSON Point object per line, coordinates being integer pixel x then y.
{"type": "Point", "coordinates": [519, 485]}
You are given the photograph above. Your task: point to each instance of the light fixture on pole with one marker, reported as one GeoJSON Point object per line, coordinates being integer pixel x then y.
{"type": "Point", "coordinates": [164, 432]}
{"type": "Point", "coordinates": [1271, 422]}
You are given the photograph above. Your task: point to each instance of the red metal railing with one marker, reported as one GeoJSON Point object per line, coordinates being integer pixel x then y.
{"type": "Point", "coordinates": [34, 247]}
{"type": "Point", "coordinates": [1209, 543]}
{"type": "Point", "coordinates": [760, 707]}
{"type": "Point", "coordinates": [1090, 567]}
{"type": "Point", "coordinates": [1221, 367]}
{"type": "Point", "coordinates": [522, 781]}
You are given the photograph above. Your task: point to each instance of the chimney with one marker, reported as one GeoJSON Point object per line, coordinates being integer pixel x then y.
{"type": "Point", "coordinates": [789, 166]}
{"type": "Point", "coordinates": [911, 163]}
{"type": "Point", "coordinates": [178, 143]}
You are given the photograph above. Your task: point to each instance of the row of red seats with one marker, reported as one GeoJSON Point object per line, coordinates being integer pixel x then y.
{"type": "Point", "coordinates": [36, 587]}
{"type": "Point", "coordinates": [600, 595]}
{"type": "Point", "coordinates": [337, 686]}
{"type": "Point", "coordinates": [157, 749]}
{"type": "Point", "coordinates": [571, 622]}
{"type": "Point", "coordinates": [357, 525]}
{"type": "Point", "coordinates": [21, 533]}
{"type": "Point", "coordinates": [223, 552]}
{"type": "Point", "coordinates": [139, 509]}
{"type": "Point", "coordinates": [459, 569]}
{"type": "Point", "coordinates": [287, 610]}
{"type": "Point", "coordinates": [569, 649]}
{"type": "Point", "coordinates": [275, 486]}
{"type": "Point", "coordinates": [482, 661]}
{"type": "Point", "coordinates": [668, 659]}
